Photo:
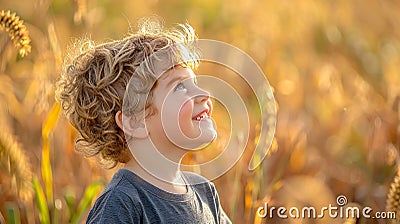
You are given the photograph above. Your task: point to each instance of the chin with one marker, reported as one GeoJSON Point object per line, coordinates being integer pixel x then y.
{"type": "Point", "coordinates": [205, 135]}
{"type": "Point", "coordinates": [211, 136]}
{"type": "Point", "coordinates": [206, 139]}
{"type": "Point", "coordinates": [198, 143]}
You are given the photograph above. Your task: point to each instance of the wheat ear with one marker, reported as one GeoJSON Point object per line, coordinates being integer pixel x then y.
{"type": "Point", "coordinates": [16, 30]}
{"type": "Point", "coordinates": [16, 163]}
{"type": "Point", "coordinates": [393, 200]}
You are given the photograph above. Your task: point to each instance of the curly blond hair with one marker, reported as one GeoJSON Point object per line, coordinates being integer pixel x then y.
{"type": "Point", "coordinates": [94, 79]}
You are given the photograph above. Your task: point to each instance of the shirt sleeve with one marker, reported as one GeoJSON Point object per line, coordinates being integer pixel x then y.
{"type": "Point", "coordinates": [222, 217]}
{"type": "Point", "coordinates": [115, 207]}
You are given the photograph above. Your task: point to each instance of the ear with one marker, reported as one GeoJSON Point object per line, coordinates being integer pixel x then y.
{"type": "Point", "coordinates": [131, 126]}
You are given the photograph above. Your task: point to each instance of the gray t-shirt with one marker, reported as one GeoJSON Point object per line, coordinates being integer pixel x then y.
{"type": "Point", "coordinates": [130, 199]}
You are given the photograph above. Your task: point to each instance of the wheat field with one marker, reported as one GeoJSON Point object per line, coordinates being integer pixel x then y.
{"type": "Point", "coordinates": [333, 65]}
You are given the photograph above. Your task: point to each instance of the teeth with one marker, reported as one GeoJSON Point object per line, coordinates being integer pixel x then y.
{"type": "Point", "coordinates": [201, 117]}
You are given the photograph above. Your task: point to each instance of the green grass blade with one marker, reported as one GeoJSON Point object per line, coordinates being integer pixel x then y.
{"type": "Point", "coordinates": [70, 199]}
{"type": "Point", "coordinates": [41, 202]}
{"type": "Point", "coordinates": [90, 192]}
{"type": "Point", "coordinates": [13, 214]}
{"type": "Point", "coordinates": [47, 173]}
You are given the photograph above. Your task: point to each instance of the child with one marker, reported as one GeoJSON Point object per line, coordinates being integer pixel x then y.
{"type": "Point", "coordinates": [145, 111]}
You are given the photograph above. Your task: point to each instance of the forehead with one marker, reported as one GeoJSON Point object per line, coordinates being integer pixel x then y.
{"type": "Point", "coordinates": [176, 73]}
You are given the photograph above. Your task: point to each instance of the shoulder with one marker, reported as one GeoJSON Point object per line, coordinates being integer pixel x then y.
{"type": "Point", "coordinates": [115, 206]}
{"type": "Point", "coordinates": [121, 187]}
{"type": "Point", "coordinates": [119, 202]}
{"type": "Point", "coordinates": [194, 178]}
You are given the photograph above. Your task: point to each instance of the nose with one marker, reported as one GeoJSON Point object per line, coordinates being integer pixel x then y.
{"type": "Point", "coordinates": [201, 95]}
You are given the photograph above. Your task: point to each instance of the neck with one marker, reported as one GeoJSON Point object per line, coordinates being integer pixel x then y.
{"type": "Point", "coordinates": [150, 163]}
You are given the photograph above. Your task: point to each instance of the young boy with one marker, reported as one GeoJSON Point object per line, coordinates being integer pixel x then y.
{"type": "Point", "coordinates": [135, 101]}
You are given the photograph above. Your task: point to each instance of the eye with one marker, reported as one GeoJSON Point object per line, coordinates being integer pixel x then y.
{"type": "Point", "coordinates": [180, 87]}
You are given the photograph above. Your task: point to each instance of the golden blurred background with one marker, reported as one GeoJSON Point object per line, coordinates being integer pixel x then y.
{"type": "Point", "coordinates": [333, 64]}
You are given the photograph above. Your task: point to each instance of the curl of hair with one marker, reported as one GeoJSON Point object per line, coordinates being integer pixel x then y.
{"type": "Point", "coordinates": [93, 80]}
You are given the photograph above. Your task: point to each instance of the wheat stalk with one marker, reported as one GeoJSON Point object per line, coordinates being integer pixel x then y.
{"type": "Point", "coordinates": [81, 10]}
{"type": "Point", "coordinates": [393, 200]}
{"type": "Point", "coordinates": [16, 30]}
{"type": "Point", "coordinates": [16, 164]}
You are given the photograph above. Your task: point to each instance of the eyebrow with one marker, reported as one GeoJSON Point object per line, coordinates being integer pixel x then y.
{"type": "Point", "coordinates": [173, 80]}
{"type": "Point", "coordinates": [180, 78]}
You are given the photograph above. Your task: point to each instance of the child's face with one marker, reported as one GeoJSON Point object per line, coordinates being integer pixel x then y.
{"type": "Point", "coordinates": [184, 110]}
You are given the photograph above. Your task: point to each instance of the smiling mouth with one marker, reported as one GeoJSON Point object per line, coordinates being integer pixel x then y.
{"type": "Point", "coordinates": [202, 115]}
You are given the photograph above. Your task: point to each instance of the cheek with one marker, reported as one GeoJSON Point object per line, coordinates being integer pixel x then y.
{"type": "Point", "coordinates": [185, 113]}
{"type": "Point", "coordinates": [178, 116]}
{"type": "Point", "coordinates": [185, 120]}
